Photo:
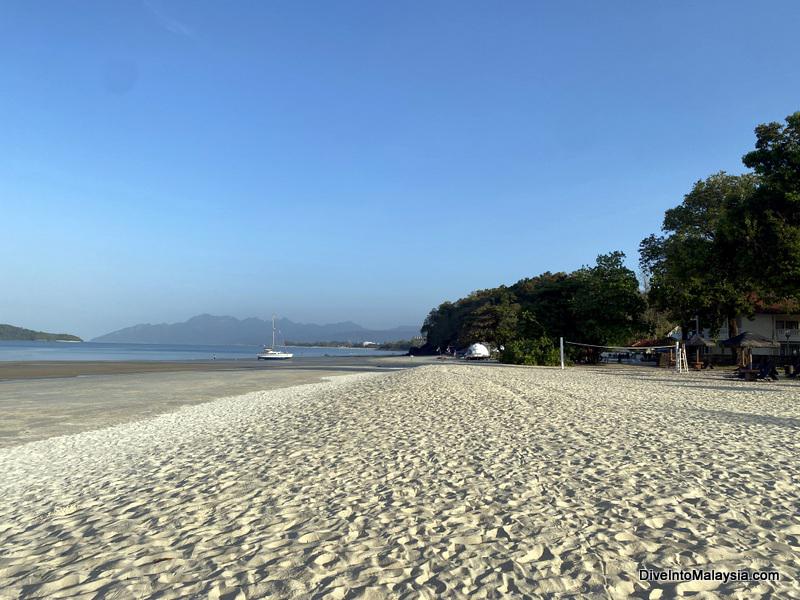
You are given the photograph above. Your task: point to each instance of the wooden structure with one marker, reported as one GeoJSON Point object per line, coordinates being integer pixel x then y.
{"type": "Point", "coordinates": [745, 342]}
{"type": "Point", "coordinates": [697, 342]}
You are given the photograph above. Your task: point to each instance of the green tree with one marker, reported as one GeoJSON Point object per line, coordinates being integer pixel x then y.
{"type": "Point", "coordinates": [493, 319]}
{"type": "Point", "coordinates": [441, 326]}
{"type": "Point", "coordinates": [546, 302]}
{"type": "Point", "coordinates": [607, 307]}
{"type": "Point", "coordinates": [601, 304]}
{"type": "Point", "coordinates": [773, 213]}
{"type": "Point", "coordinates": [538, 351]}
{"type": "Point", "coordinates": [696, 268]}
{"type": "Point", "coordinates": [656, 320]}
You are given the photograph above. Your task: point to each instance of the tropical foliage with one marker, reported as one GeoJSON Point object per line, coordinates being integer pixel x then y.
{"type": "Point", "coordinates": [734, 241]}
{"type": "Point", "coordinates": [772, 216]}
{"type": "Point", "coordinates": [696, 268]}
{"type": "Point", "coordinates": [731, 244]}
{"type": "Point", "coordinates": [601, 304]}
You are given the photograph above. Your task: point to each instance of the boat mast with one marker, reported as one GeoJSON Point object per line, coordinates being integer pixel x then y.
{"type": "Point", "coordinates": [273, 331]}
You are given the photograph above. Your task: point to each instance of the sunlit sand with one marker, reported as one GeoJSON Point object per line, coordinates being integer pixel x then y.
{"type": "Point", "coordinates": [446, 480]}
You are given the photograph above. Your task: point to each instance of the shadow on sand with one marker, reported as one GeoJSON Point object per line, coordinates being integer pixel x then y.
{"type": "Point", "coordinates": [737, 418]}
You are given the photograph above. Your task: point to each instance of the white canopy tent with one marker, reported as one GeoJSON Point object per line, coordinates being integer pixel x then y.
{"type": "Point", "coordinates": [476, 351]}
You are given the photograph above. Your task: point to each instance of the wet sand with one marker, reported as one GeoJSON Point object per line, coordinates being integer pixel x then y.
{"type": "Point", "coordinates": [49, 399]}
{"type": "Point", "coordinates": [446, 481]}
{"type": "Point", "coordinates": [54, 369]}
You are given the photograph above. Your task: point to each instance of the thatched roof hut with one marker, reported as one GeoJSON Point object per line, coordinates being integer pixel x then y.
{"type": "Point", "coordinates": [745, 342]}
{"type": "Point", "coordinates": [698, 341]}
{"type": "Point", "coordinates": [750, 340]}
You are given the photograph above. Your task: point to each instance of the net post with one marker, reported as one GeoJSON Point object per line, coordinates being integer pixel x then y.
{"type": "Point", "coordinates": [678, 357]}
{"type": "Point", "coordinates": [562, 352]}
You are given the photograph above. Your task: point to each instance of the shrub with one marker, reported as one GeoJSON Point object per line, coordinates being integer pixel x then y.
{"type": "Point", "coordinates": [539, 351]}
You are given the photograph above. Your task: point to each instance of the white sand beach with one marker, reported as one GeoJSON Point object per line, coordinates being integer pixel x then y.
{"type": "Point", "coordinates": [442, 481]}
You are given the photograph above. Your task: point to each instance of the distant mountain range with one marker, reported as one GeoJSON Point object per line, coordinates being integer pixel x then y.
{"type": "Point", "coordinates": [214, 330]}
{"type": "Point", "coordinates": [10, 332]}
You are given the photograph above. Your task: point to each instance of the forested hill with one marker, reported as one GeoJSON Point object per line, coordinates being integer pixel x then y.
{"type": "Point", "coordinates": [601, 304]}
{"type": "Point", "coordinates": [729, 249]}
{"type": "Point", "coordinates": [12, 333]}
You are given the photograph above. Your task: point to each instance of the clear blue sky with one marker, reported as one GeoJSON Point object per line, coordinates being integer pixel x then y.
{"type": "Point", "coordinates": [355, 160]}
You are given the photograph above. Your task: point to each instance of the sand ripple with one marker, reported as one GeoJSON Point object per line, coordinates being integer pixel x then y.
{"type": "Point", "coordinates": [455, 481]}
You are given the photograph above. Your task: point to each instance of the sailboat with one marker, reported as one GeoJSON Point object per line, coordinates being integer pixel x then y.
{"type": "Point", "coordinates": [269, 353]}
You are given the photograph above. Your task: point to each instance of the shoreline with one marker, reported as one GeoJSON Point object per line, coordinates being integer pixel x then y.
{"type": "Point", "coordinates": [46, 369]}
{"type": "Point", "coordinates": [68, 398]}
{"type": "Point", "coordinates": [450, 480]}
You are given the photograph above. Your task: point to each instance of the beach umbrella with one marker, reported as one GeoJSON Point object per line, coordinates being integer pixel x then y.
{"type": "Point", "coordinates": [747, 341]}
{"type": "Point", "coordinates": [697, 341]}
{"type": "Point", "coordinates": [750, 340]}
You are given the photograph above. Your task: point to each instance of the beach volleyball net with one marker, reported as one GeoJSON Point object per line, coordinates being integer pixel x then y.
{"type": "Point", "coordinates": [595, 354]}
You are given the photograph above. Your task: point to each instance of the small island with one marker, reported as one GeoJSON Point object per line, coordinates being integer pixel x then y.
{"type": "Point", "coordinates": [12, 333]}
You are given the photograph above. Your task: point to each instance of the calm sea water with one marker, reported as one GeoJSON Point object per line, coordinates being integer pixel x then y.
{"type": "Point", "coordinates": [39, 351]}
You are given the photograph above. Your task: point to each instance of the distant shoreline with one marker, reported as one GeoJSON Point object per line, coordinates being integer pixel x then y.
{"type": "Point", "coordinates": [30, 351]}
{"type": "Point", "coordinates": [40, 369]}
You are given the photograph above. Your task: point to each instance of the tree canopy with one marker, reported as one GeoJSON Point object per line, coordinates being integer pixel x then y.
{"type": "Point", "coordinates": [773, 212]}
{"type": "Point", "coordinates": [695, 268]}
{"type": "Point", "coordinates": [734, 241]}
{"type": "Point", "coordinates": [601, 304]}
